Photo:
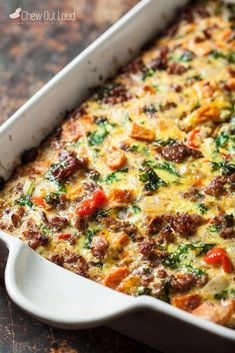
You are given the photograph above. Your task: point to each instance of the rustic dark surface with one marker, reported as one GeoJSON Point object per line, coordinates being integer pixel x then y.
{"type": "Point", "coordinates": [31, 53]}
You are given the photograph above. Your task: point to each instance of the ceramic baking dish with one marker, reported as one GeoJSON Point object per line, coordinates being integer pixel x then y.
{"type": "Point", "coordinates": [52, 294]}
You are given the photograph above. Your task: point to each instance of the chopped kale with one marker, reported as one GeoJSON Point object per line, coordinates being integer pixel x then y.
{"type": "Point", "coordinates": [148, 73]}
{"type": "Point", "coordinates": [194, 270]}
{"type": "Point", "coordinates": [225, 294]}
{"type": "Point", "coordinates": [169, 167]}
{"type": "Point", "coordinates": [52, 199]}
{"type": "Point", "coordinates": [169, 141]}
{"type": "Point", "coordinates": [226, 168]}
{"type": "Point", "coordinates": [136, 209]}
{"type": "Point", "coordinates": [174, 259]}
{"type": "Point", "coordinates": [187, 56]}
{"type": "Point", "coordinates": [24, 200]}
{"type": "Point", "coordinates": [202, 208]}
{"type": "Point", "coordinates": [150, 179]}
{"type": "Point", "coordinates": [114, 175]}
{"type": "Point", "coordinates": [90, 233]}
{"type": "Point", "coordinates": [97, 137]}
{"type": "Point", "coordinates": [150, 109]}
{"type": "Point", "coordinates": [222, 139]}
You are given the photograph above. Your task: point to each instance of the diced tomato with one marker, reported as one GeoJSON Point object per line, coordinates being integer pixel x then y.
{"type": "Point", "coordinates": [39, 201]}
{"type": "Point", "coordinates": [89, 205]}
{"type": "Point", "coordinates": [218, 256]}
{"type": "Point", "coordinates": [193, 141]}
{"type": "Point", "coordinates": [65, 236]}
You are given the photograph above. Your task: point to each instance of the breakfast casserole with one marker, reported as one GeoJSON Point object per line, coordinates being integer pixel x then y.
{"type": "Point", "coordinates": [136, 189]}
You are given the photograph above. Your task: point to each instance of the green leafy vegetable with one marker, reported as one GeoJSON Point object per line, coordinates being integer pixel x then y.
{"type": "Point", "coordinates": [226, 168]}
{"type": "Point", "coordinates": [225, 294]}
{"type": "Point", "coordinates": [136, 209]}
{"type": "Point", "coordinates": [24, 200]}
{"type": "Point", "coordinates": [150, 179]}
{"type": "Point", "coordinates": [169, 167]}
{"type": "Point", "coordinates": [97, 137]}
{"type": "Point", "coordinates": [222, 139]}
{"type": "Point", "coordinates": [90, 233]}
{"type": "Point", "coordinates": [114, 175]}
{"type": "Point", "coordinates": [187, 56]}
{"type": "Point", "coordinates": [169, 141]}
{"type": "Point", "coordinates": [148, 73]}
{"type": "Point", "coordinates": [202, 208]}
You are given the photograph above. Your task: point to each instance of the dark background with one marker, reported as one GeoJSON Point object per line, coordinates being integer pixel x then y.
{"type": "Point", "coordinates": [30, 54]}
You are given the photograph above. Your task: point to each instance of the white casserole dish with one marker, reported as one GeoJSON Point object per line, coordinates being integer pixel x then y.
{"type": "Point", "coordinates": [70, 301]}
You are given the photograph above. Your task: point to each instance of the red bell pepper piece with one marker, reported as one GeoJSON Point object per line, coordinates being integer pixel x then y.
{"type": "Point", "coordinates": [219, 256]}
{"type": "Point", "coordinates": [89, 205]}
{"type": "Point", "coordinates": [192, 138]}
{"type": "Point", "coordinates": [64, 236]}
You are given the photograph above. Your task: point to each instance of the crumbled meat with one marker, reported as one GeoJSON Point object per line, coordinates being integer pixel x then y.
{"type": "Point", "coordinates": [17, 215]}
{"type": "Point", "coordinates": [113, 94]}
{"type": "Point", "coordinates": [182, 282]}
{"type": "Point", "coordinates": [29, 155]}
{"type": "Point", "coordinates": [176, 88]}
{"type": "Point", "coordinates": [225, 224]}
{"type": "Point", "coordinates": [58, 223]}
{"type": "Point", "coordinates": [216, 187]}
{"type": "Point", "coordinates": [153, 224]}
{"type": "Point", "coordinates": [136, 66]}
{"type": "Point", "coordinates": [146, 247]}
{"type": "Point", "coordinates": [75, 263]}
{"type": "Point", "coordinates": [99, 247]}
{"type": "Point", "coordinates": [185, 224]}
{"type": "Point", "coordinates": [57, 259]}
{"type": "Point", "coordinates": [69, 164]}
{"type": "Point", "coordinates": [160, 63]}
{"type": "Point", "coordinates": [167, 234]}
{"type": "Point", "coordinates": [193, 194]}
{"type": "Point", "coordinates": [34, 236]}
{"type": "Point", "coordinates": [116, 225]}
{"type": "Point", "coordinates": [178, 152]}
{"type": "Point", "coordinates": [90, 186]}
{"type": "Point", "coordinates": [176, 69]}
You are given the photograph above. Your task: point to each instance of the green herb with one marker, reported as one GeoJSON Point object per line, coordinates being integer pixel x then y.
{"type": "Point", "coordinates": [45, 229]}
{"type": "Point", "coordinates": [148, 73]}
{"type": "Point", "coordinates": [30, 188]}
{"type": "Point", "coordinates": [150, 109]}
{"type": "Point", "coordinates": [195, 270]}
{"type": "Point", "coordinates": [187, 56]}
{"type": "Point", "coordinates": [213, 228]}
{"type": "Point", "coordinates": [222, 139]}
{"type": "Point", "coordinates": [167, 142]}
{"type": "Point", "coordinates": [97, 137]}
{"type": "Point", "coordinates": [136, 209]}
{"type": "Point", "coordinates": [230, 57]}
{"type": "Point", "coordinates": [202, 208]}
{"type": "Point", "coordinates": [24, 200]}
{"type": "Point", "coordinates": [90, 233]}
{"type": "Point", "coordinates": [114, 175]}
{"type": "Point", "coordinates": [53, 198]}
{"type": "Point", "coordinates": [150, 179]}
{"type": "Point", "coordinates": [175, 258]}
{"type": "Point", "coordinates": [169, 167]}
{"type": "Point", "coordinates": [226, 168]}
{"type": "Point", "coordinates": [225, 294]}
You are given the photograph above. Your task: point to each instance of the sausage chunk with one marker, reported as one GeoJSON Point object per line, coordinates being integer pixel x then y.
{"type": "Point", "coordinates": [216, 187]}
{"type": "Point", "coordinates": [178, 152]}
{"type": "Point", "coordinates": [182, 282]}
{"type": "Point", "coordinates": [225, 224]}
{"type": "Point", "coordinates": [185, 224]}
